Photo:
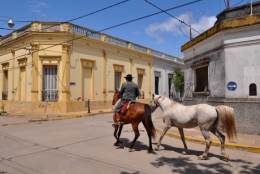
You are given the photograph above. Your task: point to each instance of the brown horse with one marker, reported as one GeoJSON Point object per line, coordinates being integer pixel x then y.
{"type": "Point", "coordinates": [138, 112]}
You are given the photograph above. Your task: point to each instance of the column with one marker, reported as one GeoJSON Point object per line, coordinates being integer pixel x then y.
{"type": "Point", "coordinates": [35, 73]}
{"type": "Point", "coordinates": [13, 54]}
{"type": "Point", "coordinates": [104, 75]}
{"type": "Point", "coordinates": [149, 79]}
{"type": "Point", "coordinates": [130, 65]}
{"type": "Point", "coordinates": [65, 86]}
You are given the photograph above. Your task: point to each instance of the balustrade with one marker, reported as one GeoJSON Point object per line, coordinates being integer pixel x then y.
{"type": "Point", "coordinates": [4, 95]}
{"type": "Point", "coordinates": [50, 95]}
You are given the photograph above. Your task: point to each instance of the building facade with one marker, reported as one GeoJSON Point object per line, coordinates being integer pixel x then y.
{"type": "Point", "coordinates": [59, 67]}
{"type": "Point", "coordinates": [163, 75]}
{"type": "Point", "coordinates": [222, 66]}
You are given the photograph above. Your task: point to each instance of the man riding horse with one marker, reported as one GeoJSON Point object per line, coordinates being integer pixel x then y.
{"type": "Point", "coordinates": [129, 91]}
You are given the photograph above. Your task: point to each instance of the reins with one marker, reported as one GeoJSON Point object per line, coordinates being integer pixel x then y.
{"type": "Point", "coordinates": [157, 103]}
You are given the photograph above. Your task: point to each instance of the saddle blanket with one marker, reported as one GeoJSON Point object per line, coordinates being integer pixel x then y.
{"type": "Point", "coordinates": [126, 106]}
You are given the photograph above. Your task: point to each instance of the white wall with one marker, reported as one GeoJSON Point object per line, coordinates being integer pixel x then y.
{"type": "Point", "coordinates": [165, 67]}
{"type": "Point", "coordinates": [234, 56]}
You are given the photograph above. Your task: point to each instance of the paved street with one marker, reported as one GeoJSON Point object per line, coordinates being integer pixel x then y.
{"type": "Point", "coordinates": [85, 145]}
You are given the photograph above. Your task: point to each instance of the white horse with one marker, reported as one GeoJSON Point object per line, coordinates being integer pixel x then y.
{"type": "Point", "coordinates": [207, 117]}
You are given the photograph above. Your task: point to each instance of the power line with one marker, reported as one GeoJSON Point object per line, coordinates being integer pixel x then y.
{"type": "Point", "coordinates": [74, 18]}
{"type": "Point", "coordinates": [174, 16]}
{"type": "Point", "coordinates": [108, 28]}
{"type": "Point", "coordinates": [225, 3]}
{"type": "Point", "coordinates": [149, 15]}
{"type": "Point", "coordinates": [237, 3]}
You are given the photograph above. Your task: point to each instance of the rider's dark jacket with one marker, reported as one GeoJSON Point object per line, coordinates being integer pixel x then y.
{"type": "Point", "coordinates": [129, 91]}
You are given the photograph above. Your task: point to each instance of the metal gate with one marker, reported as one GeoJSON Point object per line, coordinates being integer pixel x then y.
{"type": "Point", "coordinates": [50, 91]}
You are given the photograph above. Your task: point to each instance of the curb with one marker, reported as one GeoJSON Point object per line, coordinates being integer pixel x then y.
{"type": "Point", "coordinates": [214, 143]}
{"type": "Point", "coordinates": [50, 116]}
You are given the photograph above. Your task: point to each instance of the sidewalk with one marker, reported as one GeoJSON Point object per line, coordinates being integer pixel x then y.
{"type": "Point", "coordinates": [243, 142]}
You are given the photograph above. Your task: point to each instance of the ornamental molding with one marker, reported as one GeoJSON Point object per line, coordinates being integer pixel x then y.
{"type": "Point", "coordinates": [87, 63]}
{"type": "Point", "coordinates": [118, 68]}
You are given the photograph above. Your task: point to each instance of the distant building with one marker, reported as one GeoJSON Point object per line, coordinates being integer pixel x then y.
{"type": "Point", "coordinates": [222, 66]}
{"type": "Point", "coordinates": [163, 72]}
{"type": "Point", "coordinates": [58, 67]}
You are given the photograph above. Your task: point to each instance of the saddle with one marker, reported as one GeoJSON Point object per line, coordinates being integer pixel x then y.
{"type": "Point", "coordinates": [126, 106]}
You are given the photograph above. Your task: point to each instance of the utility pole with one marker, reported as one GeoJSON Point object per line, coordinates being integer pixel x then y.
{"type": "Point", "coordinates": [227, 4]}
{"type": "Point", "coordinates": [190, 25]}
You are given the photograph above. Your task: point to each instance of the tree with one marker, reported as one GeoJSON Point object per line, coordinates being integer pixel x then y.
{"type": "Point", "coordinates": [178, 80]}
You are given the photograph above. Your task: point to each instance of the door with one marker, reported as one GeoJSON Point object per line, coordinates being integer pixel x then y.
{"type": "Point", "coordinates": [50, 90]}
{"type": "Point", "coordinates": [22, 85]}
{"type": "Point", "coordinates": [87, 85]}
{"type": "Point", "coordinates": [117, 80]}
{"type": "Point", "coordinates": [170, 87]}
{"type": "Point", "coordinates": [156, 85]}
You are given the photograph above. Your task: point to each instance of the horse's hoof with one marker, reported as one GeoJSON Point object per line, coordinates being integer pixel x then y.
{"type": "Point", "coordinates": [156, 149]}
{"type": "Point", "coordinates": [148, 152]}
{"type": "Point", "coordinates": [121, 144]}
{"type": "Point", "coordinates": [227, 158]}
{"type": "Point", "coordinates": [184, 153]}
{"type": "Point", "coordinates": [201, 158]}
{"type": "Point", "coordinates": [130, 150]}
{"type": "Point", "coordinates": [115, 144]}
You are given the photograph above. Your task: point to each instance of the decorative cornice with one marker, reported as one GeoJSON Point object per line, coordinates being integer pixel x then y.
{"type": "Point", "coordinates": [231, 24]}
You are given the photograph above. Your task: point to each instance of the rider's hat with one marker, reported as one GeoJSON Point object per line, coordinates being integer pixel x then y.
{"type": "Point", "coordinates": [128, 76]}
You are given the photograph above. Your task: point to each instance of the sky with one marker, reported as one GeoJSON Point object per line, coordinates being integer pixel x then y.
{"type": "Point", "coordinates": [161, 32]}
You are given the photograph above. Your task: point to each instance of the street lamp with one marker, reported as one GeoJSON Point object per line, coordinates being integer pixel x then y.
{"type": "Point", "coordinates": [10, 22]}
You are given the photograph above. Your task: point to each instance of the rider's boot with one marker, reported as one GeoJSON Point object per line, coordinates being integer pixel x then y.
{"type": "Point", "coordinates": [118, 120]}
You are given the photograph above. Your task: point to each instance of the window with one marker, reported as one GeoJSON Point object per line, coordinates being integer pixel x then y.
{"type": "Point", "coordinates": [50, 91]}
{"type": "Point", "coordinates": [157, 75]}
{"type": "Point", "coordinates": [252, 89]}
{"type": "Point", "coordinates": [140, 82]}
{"type": "Point", "coordinates": [117, 80]}
{"type": "Point", "coordinates": [201, 79]}
{"type": "Point", "coordinates": [170, 77]}
{"type": "Point", "coordinates": [5, 86]}
{"type": "Point", "coordinates": [140, 86]}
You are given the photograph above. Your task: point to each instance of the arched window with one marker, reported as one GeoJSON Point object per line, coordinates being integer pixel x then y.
{"type": "Point", "coordinates": [252, 89]}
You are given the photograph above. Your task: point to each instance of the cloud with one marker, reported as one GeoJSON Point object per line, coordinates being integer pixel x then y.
{"type": "Point", "coordinates": [37, 6]}
{"type": "Point", "coordinates": [137, 32]}
{"type": "Point", "coordinates": [176, 28]}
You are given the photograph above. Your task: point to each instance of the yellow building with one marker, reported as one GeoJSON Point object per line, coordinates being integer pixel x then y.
{"type": "Point", "coordinates": [57, 67]}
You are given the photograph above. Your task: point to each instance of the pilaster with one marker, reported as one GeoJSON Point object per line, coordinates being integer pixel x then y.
{"type": "Point", "coordinates": [35, 74]}
{"type": "Point", "coordinates": [65, 86]}
{"type": "Point", "coordinates": [104, 75]}
{"type": "Point", "coordinates": [13, 54]}
{"type": "Point", "coordinates": [130, 65]}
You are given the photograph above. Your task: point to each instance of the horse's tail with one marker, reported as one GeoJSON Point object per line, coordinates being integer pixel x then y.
{"type": "Point", "coordinates": [148, 121]}
{"type": "Point", "coordinates": [226, 115]}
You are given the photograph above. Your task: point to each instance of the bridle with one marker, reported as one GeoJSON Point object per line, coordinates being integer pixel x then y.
{"type": "Point", "coordinates": [156, 101]}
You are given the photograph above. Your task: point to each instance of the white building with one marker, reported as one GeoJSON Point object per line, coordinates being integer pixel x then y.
{"type": "Point", "coordinates": [222, 66]}
{"type": "Point", "coordinates": [163, 74]}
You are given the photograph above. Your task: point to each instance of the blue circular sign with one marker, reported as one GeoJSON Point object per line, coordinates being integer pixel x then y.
{"type": "Point", "coordinates": [231, 86]}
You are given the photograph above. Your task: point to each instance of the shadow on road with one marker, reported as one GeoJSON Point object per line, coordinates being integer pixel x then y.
{"type": "Point", "coordinates": [186, 165]}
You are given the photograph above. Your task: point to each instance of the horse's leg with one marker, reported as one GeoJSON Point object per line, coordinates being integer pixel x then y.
{"type": "Point", "coordinates": [221, 137]}
{"type": "Point", "coordinates": [206, 135]}
{"type": "Point", "coordinates": [183, 141]}
{"type": "Point", "coordinates": [137, 134]}
{"type": "Point", "coordinates": [117, 140]}
{"type": "Point", "coordinates": [118, 135]}
{"type": "Point", "coordinates": [150, 149]}
{"type": "Point", "coordinates": [165, 129]}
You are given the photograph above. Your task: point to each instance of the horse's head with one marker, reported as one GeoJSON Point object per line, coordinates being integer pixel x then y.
{"type": "Point", "coordinates": [154, 103]}
{"type": "Point", "coordinates": [116, 97]}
